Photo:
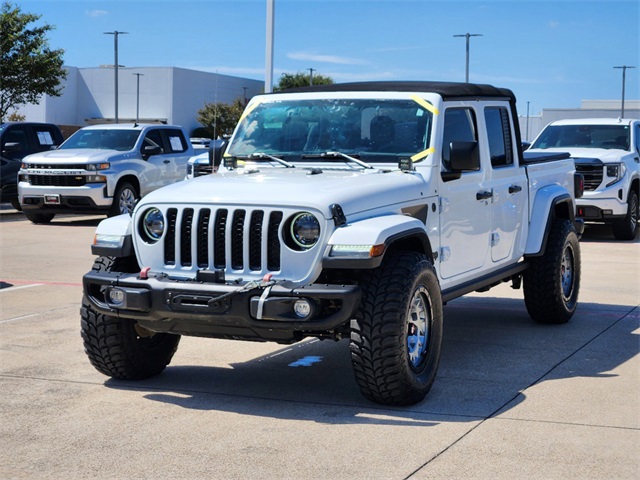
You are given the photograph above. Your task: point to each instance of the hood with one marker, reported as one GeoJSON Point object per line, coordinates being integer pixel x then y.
{"type": "Point", "coordinates": [355, 191]}
{"type": "Point", "coordinates": [607, 155]}
{"type": "Point", "coordinates": [80, 156]}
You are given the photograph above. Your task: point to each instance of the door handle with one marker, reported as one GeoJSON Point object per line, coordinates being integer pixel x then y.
{"type": "Point", "coordinates": [515, 189]}
{"type": "Point", "coordinates": [166, 161]}
{"type": "Point", "coordinates": [484, 195]}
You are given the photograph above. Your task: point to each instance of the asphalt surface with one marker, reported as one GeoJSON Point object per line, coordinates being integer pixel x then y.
{"type": "Point", "coordinates": [512, 399]}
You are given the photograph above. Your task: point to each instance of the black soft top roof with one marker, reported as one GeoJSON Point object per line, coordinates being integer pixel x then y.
{"type": "Point", "coordinates": [446, 90]}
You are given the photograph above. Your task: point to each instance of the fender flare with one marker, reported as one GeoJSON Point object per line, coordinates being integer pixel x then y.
{"type": "Point", "coordinates": [551, 202]}
{"type": "Point", "coordinates": [387, 230]}
{"type": "Point", "coordinates": [113, 237]}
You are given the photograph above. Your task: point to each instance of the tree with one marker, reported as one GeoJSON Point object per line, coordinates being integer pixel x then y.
{"type": "Point", "coordinates": [221, 118]}
{"type": "Point", "coordinates": [290, 80]}
{"type": "Point", "coordinates": [28, 67]}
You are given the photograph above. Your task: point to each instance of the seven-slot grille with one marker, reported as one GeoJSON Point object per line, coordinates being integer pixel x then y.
{"type": "Point", "coordinates": [223, 238]}
{"type": "Point", "coordinates": [592, 175]}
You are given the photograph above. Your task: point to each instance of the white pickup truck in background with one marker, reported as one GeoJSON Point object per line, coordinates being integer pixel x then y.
{"type": "Point", "coordinates": [102, 169]}
{"type": "Point", "coordinates": [607, 153]}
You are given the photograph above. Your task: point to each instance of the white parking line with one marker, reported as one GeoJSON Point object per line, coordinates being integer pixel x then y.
{"type": "Point", "coordinates": [11, 289]}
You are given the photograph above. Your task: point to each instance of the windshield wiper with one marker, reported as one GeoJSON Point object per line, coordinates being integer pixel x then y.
{"type": "Point", "coordinates": [338, 155]}
{"type": "Point", "coordinates": [265, 156]}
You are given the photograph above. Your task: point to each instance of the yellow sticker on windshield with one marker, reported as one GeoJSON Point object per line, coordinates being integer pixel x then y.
{"type": "Point", "coordinates": [249, 109]}
{"type": "Point", "coordinates": [422, 154]}
{"type": "Point", "coordinates": [424, 104]}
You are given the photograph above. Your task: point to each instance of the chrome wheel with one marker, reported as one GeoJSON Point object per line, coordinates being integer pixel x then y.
{"type": "Point", "coordinates": [566, 272]}
{"type": "Point", "coordinates": [127, 200]}
{"type": "Point", "coordinates": [418, 325]}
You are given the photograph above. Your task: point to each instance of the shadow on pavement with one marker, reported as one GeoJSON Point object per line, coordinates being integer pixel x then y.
{"type": "Point", "coordinates": [492, 352]}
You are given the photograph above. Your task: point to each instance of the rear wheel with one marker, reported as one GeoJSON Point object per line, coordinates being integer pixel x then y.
{"type": "Point", "coordinates": [124, 200]}
{"type": "Point", "coordinates": [552, 282]}
{"type": "Point", "coordinates": [39, 217]}
{"type": "Point", "coordinates": [396, 337]}
{"type": "Point", "coordinates": [119, 347]}
{"type": "Point", "coordinates": [625, 229]}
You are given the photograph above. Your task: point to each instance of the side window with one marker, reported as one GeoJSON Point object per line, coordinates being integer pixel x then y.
{"type": "Point", "coordinates": [152, 139]}
{"type": "Point", "coordinates": [176, 140]}
{"type": "Point", "coordinates": [44, 137]}
{"type": "Point", "coordinates": [638, 137]}
{"type": "Point", "coordinates": [499, 136]}
{"type": "Point", "coordinates": [459, 126]}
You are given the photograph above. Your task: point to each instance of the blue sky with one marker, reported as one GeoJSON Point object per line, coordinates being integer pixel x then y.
{"type": "Point", "coordinates": [552, 54]}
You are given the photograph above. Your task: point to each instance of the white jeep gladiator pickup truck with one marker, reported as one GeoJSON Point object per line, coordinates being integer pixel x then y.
{"type": "Point", "coordinates": [345, 211]}
{"type": "Point", "coordinates": [102, 169]}
{"type": "Point", "coordinates": [607, 153]}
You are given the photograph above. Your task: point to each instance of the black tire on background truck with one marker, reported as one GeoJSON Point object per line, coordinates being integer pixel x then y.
{"type": "Point", "coordinates": [124, 199]}
{"type": "Point", "coordinates": [552, 282]}
{"type": "Point", "coordinates": [39, 218]}
{"type": "Point", "coordinates": [625, 228]}
{"type": "Point", "coordinates": [397, 334]}
{"type": "Point", "coordinates": [118, 347]}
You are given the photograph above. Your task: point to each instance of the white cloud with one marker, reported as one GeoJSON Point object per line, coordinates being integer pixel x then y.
{"type": "Point", "coordinates": [313, 57]}
{"type": "Point", "coordinates": [95, 13]}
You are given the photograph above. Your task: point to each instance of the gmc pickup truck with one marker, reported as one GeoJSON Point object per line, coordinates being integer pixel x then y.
{"type": "Point", "coordinates": [347, 211]}
{"type": "Point", "coordinates": [102, 169]}
{"type": "Point", "coordinates": [607, 153]}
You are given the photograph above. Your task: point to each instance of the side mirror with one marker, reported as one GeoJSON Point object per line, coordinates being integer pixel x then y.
{"type": "Point", "coordinates": [464, 157]}
{"type": "Point", "coordinates": [11, 147]}
{"type": "Point", "coordinates": [216, 151]}
{"type": "Point", "coordinates": [150, 150]}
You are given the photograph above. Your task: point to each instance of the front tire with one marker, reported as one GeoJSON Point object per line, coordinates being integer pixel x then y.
{"type": "Point", "coordinates": [625, 229]}
{"type": "Point", "coordinates": [552, 282]}
{"type": "Point", "coordinates": [39, 218]}
{"type": "Point", "coordinates": [120, 347]}
{"type": "Point", "coordinates": [397, 334]}
{"type": "Point", "coordinates": [124, 199]}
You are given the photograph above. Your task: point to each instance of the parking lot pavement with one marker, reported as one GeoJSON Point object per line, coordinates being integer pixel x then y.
{"type": "Point", "coordinates": [512, 399]}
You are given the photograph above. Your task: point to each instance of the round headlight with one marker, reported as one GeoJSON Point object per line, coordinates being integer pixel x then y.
{"type": "Point", "coordinates": [153, 224]}
{"type": "Point", "coordinates": [305, 230]}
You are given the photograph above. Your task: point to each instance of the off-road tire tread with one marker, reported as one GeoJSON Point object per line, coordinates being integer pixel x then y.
{"type": "Point", "coordinates": [109, 342]}
{"type": "Point", "coordinates": [541, 281]}
{"type": "Point", "coordinates": [379, 365]}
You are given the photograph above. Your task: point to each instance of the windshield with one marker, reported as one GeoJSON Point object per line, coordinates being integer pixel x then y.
{"type": "Point", "coordinates": [378, 130]}
{"type": "Point", "coordinates": [121, 140]}
{"type": "Point", "coordinates": [584, 136]}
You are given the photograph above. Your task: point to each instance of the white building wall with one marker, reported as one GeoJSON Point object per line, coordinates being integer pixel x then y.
{"type": "Point", "coordinates": [167, 94]}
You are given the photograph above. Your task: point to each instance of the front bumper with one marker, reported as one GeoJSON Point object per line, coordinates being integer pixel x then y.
{"type": "Point", "coordinates": [217, 310]}
{"type": "Point", "coordinates": [600, 210]}
{"type": "Point", "coordinates": [90, 198]}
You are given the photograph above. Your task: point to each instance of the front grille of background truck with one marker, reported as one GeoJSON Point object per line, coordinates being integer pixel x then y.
{"type": "Point", "coordinates": [592, 175]}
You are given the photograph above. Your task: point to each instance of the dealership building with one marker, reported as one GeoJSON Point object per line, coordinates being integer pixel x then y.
{"type": "Point", "coordinates": [167, 95]}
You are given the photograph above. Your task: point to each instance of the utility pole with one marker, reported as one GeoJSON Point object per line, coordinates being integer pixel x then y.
{"type": "Point", "coordinates": [310, 76]}
{"type": "Point", "coordinates": [115, 34]}
{"type": "Point", "coordinates": [467, 35]}
{"type": "Point", "coordinates": [268, 74]}
{"type": "Point", "coordinates": [138, 96]}
{"type": "Point", "coordinates": [527, 132]}
{"type": "Point", "coordinates": [624, 74]}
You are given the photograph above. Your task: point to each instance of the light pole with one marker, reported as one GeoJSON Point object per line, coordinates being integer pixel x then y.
{"type": "Point", "coordinates": [624, 74]}
{"type": "Point", "coordinates": [311, 75]}
{"type": "Point", "coordinates": [467, 35]}
{"type": "Point", "coordinates": [268, 74]}
{"type": "Point", "coordinates": [527, 132]}
{"type": "Point", "coordinates": [115, 34]}
{"type": "Point", "coordinates": [138, 96]}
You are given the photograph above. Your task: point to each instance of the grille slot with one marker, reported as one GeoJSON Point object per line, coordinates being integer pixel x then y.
{"type": "Point", "coordinates": [230, 239]}
{"type": "Point", "coordinates": [170, 237]}
{"type": "Point", "coordinates": [592, 175]}
{"type": "Point", "coordinates": [57, 180]}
